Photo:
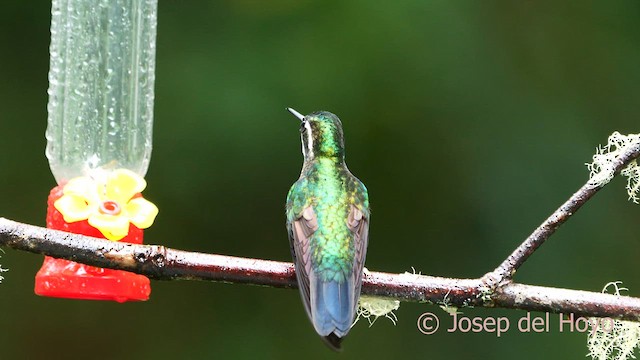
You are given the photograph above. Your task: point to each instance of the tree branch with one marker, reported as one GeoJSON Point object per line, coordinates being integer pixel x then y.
{"type": "Point", "coordinates": [162, 263]}
{"type": "Point", "coordinates": [495, 289]}
{"type": "Point", "coordinates": [505, 271]}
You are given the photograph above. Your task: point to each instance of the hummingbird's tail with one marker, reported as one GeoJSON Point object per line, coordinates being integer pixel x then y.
{"type": "Point", "coordinates": [333, 306]}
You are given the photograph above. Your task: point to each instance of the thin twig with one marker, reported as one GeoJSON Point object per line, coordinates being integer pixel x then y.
{"type": "Point", "coordinates": [505, 271]}
{"type": "Point", "coordinates": [162, 263]}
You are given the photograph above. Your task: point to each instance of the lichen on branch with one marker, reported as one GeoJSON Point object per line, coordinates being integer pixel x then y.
{"type": "Point", "coordinates": [606, 162]}
{"type": "Point", "coordinates": [613, 339]}
{"type": "Point", "coordinates": [632, 172]}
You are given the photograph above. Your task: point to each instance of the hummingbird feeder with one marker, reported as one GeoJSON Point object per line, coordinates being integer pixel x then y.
{"type": "Point", "coordinates": [100, 117]}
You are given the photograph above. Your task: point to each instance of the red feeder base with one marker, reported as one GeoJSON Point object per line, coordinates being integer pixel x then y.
{"type": "Point", "coordinates": [67, 279]}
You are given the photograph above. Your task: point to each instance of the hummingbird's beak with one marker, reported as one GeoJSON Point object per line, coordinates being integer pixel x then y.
{"type": "Point", "coordinates": [296, 114]}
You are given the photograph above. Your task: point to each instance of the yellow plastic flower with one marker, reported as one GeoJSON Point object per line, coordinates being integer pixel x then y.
{"type": "Point", "coordinates": [107, 203]}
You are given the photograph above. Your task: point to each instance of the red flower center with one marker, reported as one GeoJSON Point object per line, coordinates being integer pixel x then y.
{"type": "Point", "coordinates": [110, 207]}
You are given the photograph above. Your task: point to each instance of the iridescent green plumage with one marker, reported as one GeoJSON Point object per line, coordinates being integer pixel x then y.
{"type": "Point", "coordinates": [328, 219]}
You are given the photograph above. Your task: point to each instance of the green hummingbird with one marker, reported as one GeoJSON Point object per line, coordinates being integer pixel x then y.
{"type": "Point", "coordinates": [328, 222]}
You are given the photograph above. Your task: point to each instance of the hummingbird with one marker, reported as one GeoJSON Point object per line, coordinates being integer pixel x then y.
{"type": "Point", "coordinates": [328, 223]}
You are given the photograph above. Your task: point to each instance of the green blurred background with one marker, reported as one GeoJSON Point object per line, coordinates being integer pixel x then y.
{"type": "Point", "coordinates": [468, 121]}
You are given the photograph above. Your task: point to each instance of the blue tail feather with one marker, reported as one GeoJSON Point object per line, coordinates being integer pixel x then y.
{"type": "Point", "coordinates": [332, 306]}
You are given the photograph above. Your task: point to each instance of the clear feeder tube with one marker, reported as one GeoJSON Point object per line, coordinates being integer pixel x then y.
{"type": "Point", "coordinates": [101, 86]}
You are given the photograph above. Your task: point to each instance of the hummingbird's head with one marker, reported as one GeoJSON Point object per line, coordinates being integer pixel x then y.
{"type": "Point", "coordinates": [321, 135]}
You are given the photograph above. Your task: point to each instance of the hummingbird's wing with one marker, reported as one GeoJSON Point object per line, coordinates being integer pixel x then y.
{"type": "Point", "coordinates": [358, 223]}
{"type": "Point", "coordinates": [300, 231]}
